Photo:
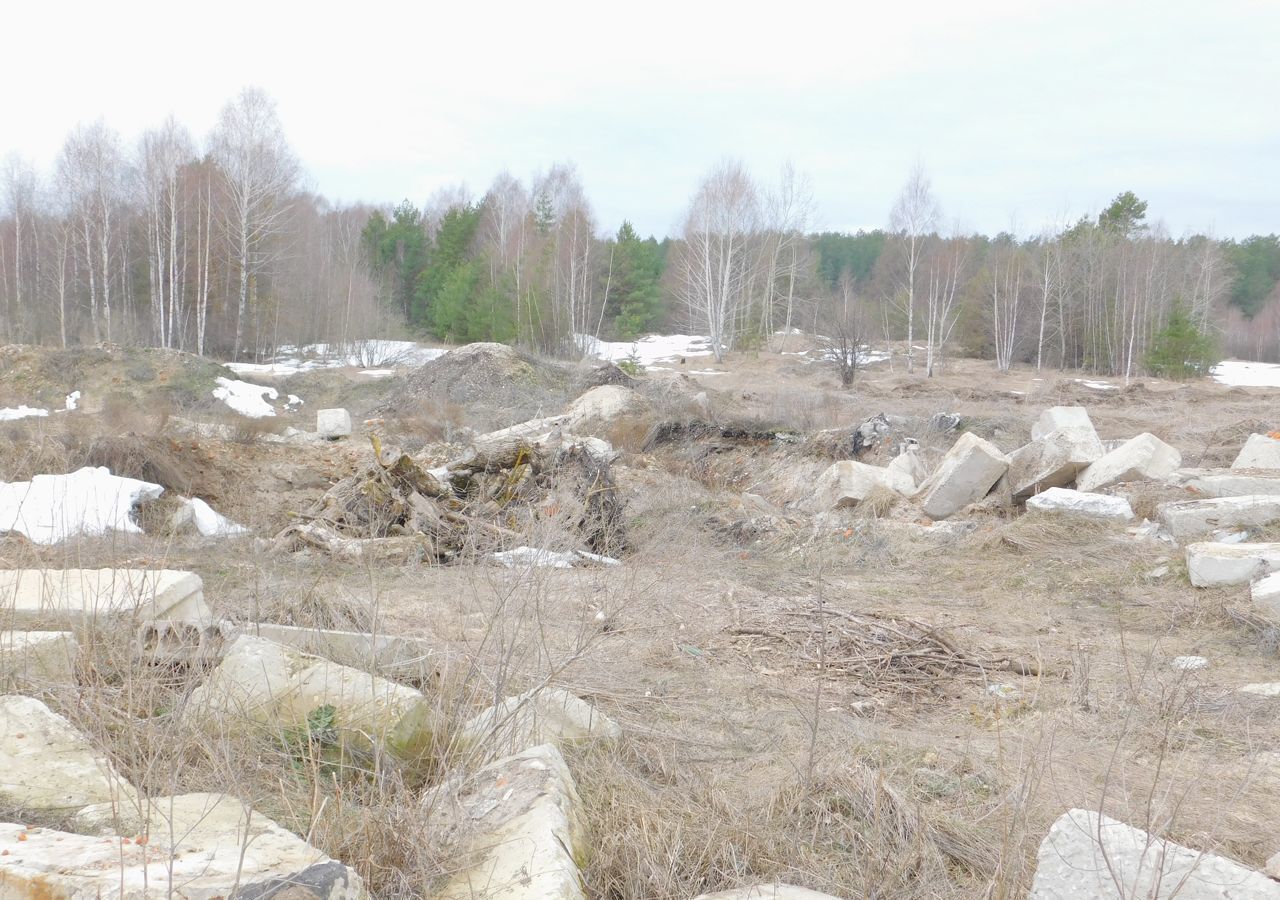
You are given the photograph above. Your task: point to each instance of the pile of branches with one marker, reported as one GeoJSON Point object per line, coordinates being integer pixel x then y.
{"type": "Point", "coordinates": [875, 649]}
{"type": "Point", "coordinates": [488, 499]}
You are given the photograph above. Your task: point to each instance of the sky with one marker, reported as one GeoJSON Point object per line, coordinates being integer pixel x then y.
{"type": "Point", "coordinates": [1024, 114]}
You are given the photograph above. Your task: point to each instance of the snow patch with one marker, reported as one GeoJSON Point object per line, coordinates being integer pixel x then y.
{"type": "Point", "coordinates": [9, 414]}
{"type": "Point", "coordinates": [653, 348]}
{"type": "Point", "coordinates": [522, 557]}
{"type": "Point", "coordinates": [308, 357]}
{"type": "Point", "coordinates": [73, 401]}
{"type": "Point", "coordinates": [1097, 385]}
{"type": "Point", "coordinates": [294, 400]}
{"type": "Point", "coordinates": [51, 508]}
{"type": "Point", "coordinates": [245, 398]}
{"type": "Point", "coordinates": [1242, 373]}
{"type": "Point", "coordinates": [378, 373]}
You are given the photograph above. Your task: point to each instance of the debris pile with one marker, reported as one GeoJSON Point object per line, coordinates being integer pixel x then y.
{"type": "Point", "coordinates": [484, 501]}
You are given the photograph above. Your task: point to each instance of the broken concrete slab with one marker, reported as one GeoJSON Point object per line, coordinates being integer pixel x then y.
{"type": "Point", "coordinates": [1145, 458]}
{"type": "Point", "coordinates": [332, 424]}
{"type": "Point", "coordinates": [194, 846]}
{"type": "Point", "coordinates": [1265, 594]}
{"type": "Point", "coordinates": [1260, 451]}
{"type": "Point", "coordinates": [405, 656]}
{"type": "Point", "coordinates": [547, 716]}
{"type": "Point", "coordinates": [1225, 483]}
{"type": "Point", "coordinates": [266, 683]}
{"type": "Point", "coordinates": [52, 599]}
{"type": "Point", "coordinates": [48, 765]}
{"type": "Point", "coordinates": [767, 892]}
{"type": "Point", "coordinates": [1054, 461]}
{"type": "Point", "coordinates": [965, 475]}
{"type": "Point", "coordinates": [1090, 856]}
{"type": "Point", "coordinates": [1072, 421]}
{"type": "Point", "coordinates": [38, 657]}
{"type": "Point", "coordinates": [849, 482]}
{"type": "Point", "coordinates": [513, 829]}
{"type": "Point", "coordinates": [1187, 519]}
{"type": "Point", "coordinates": [1063, 501]}
{"type": "Point", "coordinates": [1214, 564]}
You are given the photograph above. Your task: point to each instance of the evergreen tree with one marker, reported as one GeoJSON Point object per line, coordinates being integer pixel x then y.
{"type": "Point", "coordinates": [396, 252]}
{"type": "Point", "coordinates": [450, 250]}
{"type": "Point", "coordinates": [634, 301]}
{"type": "Point", "coordinates": [1125, 216]}
{"type": "Point", "coordinates": [1180, 350]}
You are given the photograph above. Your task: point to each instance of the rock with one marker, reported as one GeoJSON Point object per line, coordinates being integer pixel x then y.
{"type": "Point", "coordinates": [1265, 593]}
{"type": "Point", "coordinates": [514, 829]}
{"type": "Point", "coordinates": [1063, 442]}
{"type": "Point", "coordinates": [547, 716]}
{"type": "Point", "coordinates": [263, 682]}
{"type": "Point", "coordinates": [604, 405]}
{"type": "Point", "coordinates": [76, 598]}
{"type": "Point", "coordinates": [197, 846]}
{"type": "Point", "coordinates": [965, 475]}
{"type": "Point", "coordinates": [1211, 564]}
{"type": "Point", "coordinates": [1145, 458]}
{"type": "Point", "coordinates": [405, 656]}
{"type": "Point", "coordinates": [767, 892]}
{"type": "Point", "coordinates": [1261, 451]}
{"type": "Point", "coordinates": [333, 423]}
{"type": "Point", "coordinates": [1224, 483]}
{"type": "Point", "coordinates": [1186, 519]}
{"type": "Point", "coordinates": [1063, 501]}
{"type": "Point", "coordinates": [909, 463]}
{"type": "Point", "coordinates": [49, 766]}
{"type": "Point", "coordinates": [1074, 423]}
{"type": "Point", "coordinates": [1262, 689]}
{"type": "Point", "coordinates": [47, 657]}
{"type": "Point", "coordinates": [848, 483]}
{"type": "Point", "coordinates": [1089, 856]}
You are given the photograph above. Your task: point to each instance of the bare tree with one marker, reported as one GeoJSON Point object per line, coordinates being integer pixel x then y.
{"type": "Point", "coordinates": [946, 270]}
{"type": "Point", "coordinates": [162, 154]}
{"type": "Point", "coordinates": [843, 329]}
{"type": "Point", "coordinates": [790, 210]}
{"type": "Point", "coordinates": [259, 171]}
{"type": "Point", "coordinates": [18, 181]}
{"type": "Point", "coordinates": [913, 218]}
{"type": "Point", "coordinates": [716, 257]}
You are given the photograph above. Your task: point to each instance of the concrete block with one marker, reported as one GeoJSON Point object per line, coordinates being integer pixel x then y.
{"type": "Point", "coordinates": [1212, 564]}
{"type": "Point", "coordinates": [965, 475]}
{"type": "Point", "coordinates": [1188, 519]}
{"type": "Point", "coordinates": [333, 423]}
{"type": "Point", "coordinates": [1145, 458]}
{"type": "Point", "coordinates": [1063, 501]}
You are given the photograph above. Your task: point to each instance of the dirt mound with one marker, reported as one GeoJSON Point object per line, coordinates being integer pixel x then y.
{"type": "Point", "coordinates": [43, 377]}
{"type": "Point", "coordinates": [495, 385]}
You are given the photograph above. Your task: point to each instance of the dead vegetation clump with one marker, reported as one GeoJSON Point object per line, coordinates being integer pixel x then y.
{"type": "Point", "coordinates": [488, 499]}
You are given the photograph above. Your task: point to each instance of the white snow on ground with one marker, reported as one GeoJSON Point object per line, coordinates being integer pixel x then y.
{"type": "Point", "coordinates": [1242, 373]}
{"type": "Point", "coordinates": [209, 522]}
{"type": "Point", "coordinates": [9, 414]}
{"type": "Point", "coordinates": [378, 373]}
{"type": "Point", "coordinates": [51, 508]}
{"type": "Point", "coordinates": [294, 400]}
{"type": "Point", "coordinates": [73, 400]}
{"type": "Point", "coordinates": [245, 398]}
{"type": "Point", "coordinates": [522, 557]}
{"type": "Point", "coordinates": [654, 348]}
{"type": "Point", "coordinates": [381, 353]}
{"type": "Point", "coordinates": [1097, 385]}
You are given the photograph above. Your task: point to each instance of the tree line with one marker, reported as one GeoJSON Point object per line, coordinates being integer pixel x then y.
{"type": "Point", "coordinates": [219, 247]}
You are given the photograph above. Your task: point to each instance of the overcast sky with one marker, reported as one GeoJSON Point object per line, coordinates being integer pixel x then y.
{"type": "Point", "coordinates": [1024, 113]}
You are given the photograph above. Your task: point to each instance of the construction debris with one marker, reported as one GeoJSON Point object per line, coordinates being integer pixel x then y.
{"type": "Point", "coordinates": [1261, 451]}
{"type": "Point", "coordinates": [1145, 458]}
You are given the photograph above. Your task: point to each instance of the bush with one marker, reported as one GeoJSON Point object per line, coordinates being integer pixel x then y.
{"type": "Point", "coordinates": [1180, 350]}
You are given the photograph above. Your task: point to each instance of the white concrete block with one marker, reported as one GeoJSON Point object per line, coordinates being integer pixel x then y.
{"type": "Point", "coordinates": [1088, 856]}
{"type": "Point", "coordinates": [1212, 564]}
{"type": "Point", "coordinates": [72, 599]}
{"type": "Point", "coordinates": [40, 657]}
{"type": "Point", "coordinates": [1145, 458]}
{"type": "Point", "coordinates": [848, 483]}
{"type": "Point", "coordinates": [1188, 519]}
{"type": "Point", "coordinates": [1259, 452]}
{"type": "Point", "coordinates": [1063, 501]}
{"type": "Point", "coordinates": [965, 475]}
{"type": "Point", "coordinates": [333, 423]}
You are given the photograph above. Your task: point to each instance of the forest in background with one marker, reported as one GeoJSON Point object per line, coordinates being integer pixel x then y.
{"type": "Point", "coordinates": [220, 248]}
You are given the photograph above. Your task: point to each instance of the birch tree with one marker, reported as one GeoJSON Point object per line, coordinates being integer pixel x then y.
{"type": "Point", "coordinates": [716, 256]}
{"type": "Point", "coordinates": [913, 218]}
{"type": "Point", "coordinates": [162, 155]}
{"type": "Point", "coordinates": [259, 171]}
